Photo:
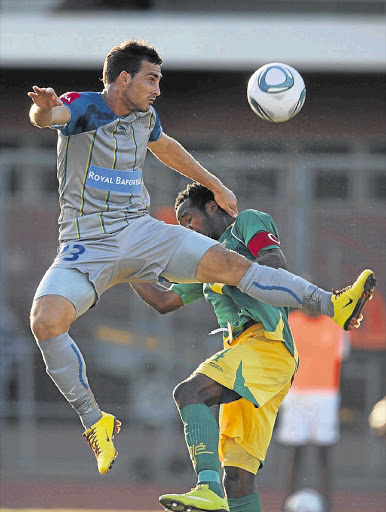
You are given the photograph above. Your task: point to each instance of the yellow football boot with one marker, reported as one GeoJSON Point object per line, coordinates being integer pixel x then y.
{"type": "Point", "coordinates": [348, 303]}
{"type": "Point", "coordinates": [199, 499]}
{"type": "Point", "coordinates": [100, 438]}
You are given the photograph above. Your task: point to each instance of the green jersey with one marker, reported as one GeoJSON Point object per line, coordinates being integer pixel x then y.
{"type": "Point", "coordinates": [230, 304]}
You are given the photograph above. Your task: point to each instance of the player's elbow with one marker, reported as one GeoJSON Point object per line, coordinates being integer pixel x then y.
{"type": "Point", "coordinates": [166, 308]}
{"type": "Point", "coordinates": [41, 118]}
{"type": "Point", "coordinates": [161, 306]}
{"type": "Point", "coordinates": [273, 258]}
{"type": "Point", "coordinates": [169, 301]}
{"type": "Point", "coordinates": [163, 310]}
{"type": "Point", "coordinates": [280, 262]}
{"type": "Point", "coordinates": [35, 121]}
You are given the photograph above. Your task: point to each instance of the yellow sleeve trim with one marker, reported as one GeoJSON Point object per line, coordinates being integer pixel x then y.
{"type": "Point", "coordinates": [217, 287]}
{"type": "Point", "coordinates": [277, 334]}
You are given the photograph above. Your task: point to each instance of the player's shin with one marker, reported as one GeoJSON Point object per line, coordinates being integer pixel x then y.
{"type": "Point", "coordinates": [66, 367]}
{"type": "Point", "coordinates": [250, 503]}
{"type": "Point", "coordinates": [202, 436]}
{"type": "Point", "coordinates": [279, 287]}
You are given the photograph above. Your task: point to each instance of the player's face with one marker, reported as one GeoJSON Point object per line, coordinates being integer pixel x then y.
{"type": "Point", "coordinates": [143, 88]}
{"type": "Point", "coordinates": [196, 219]}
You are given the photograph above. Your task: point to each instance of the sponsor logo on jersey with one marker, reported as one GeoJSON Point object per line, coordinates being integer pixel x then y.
{"type": "Point", "coordinates": [126, 182]}
{"type": "Point", "coordinates": [215, 365]}
{"type": "Point", "coordinates": [69, 97]}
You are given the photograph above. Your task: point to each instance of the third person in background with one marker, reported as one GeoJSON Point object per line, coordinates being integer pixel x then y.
{"type": "Point", "coordinates": [310, 412]}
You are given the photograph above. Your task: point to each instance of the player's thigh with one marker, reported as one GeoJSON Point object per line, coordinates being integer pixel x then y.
{"type": "Point", "coordinates": [221, 265]}
{"type": "Point", "coordinates": [148, 248]}
{"type": "Point", "coordinates": [186, 257]}
{"type": "Point", "coordinates": [64, 293]}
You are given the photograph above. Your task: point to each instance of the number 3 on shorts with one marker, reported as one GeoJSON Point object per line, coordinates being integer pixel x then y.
{"type": "Point", "coordinates": [72, 252]}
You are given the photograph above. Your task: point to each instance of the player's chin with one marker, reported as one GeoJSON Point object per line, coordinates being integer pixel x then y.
{"type": "Point", "coordinates": [143, 107]}
{"type": "Point", "coordinates": [149, 104]}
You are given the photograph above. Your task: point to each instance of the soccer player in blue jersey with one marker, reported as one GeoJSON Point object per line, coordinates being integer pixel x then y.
{"type": "Point", "coordinates": [107, 236]}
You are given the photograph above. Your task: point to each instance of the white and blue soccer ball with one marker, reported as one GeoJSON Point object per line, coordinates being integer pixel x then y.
{"type": "Point", "coordinates": [276, 92]}
{"type": "Point", "coordinates": [305, 500]}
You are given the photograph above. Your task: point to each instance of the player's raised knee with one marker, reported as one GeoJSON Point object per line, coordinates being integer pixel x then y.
{"type": "Point", "coordinates": [185, 394]}
{"type": "Point", "coordinates": [178, 393]}
{"type": "Point", "coordinates": [51, 315]}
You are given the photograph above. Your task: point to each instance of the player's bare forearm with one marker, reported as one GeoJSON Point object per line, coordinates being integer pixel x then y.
{"type": "Point", "coordinates": [41, 118]}
{"type": "Point", "coordinates": [48, 109]}
{"type": "Point", "coordinates": [272, 258]}
{"type": "Point", "coordinates": [158, 297]}
{"type": "Point", "coordinates": [172, 154]}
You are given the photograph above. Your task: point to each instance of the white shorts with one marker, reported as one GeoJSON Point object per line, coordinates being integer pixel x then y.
{"type": "Point", "coordinates": [309, 419]}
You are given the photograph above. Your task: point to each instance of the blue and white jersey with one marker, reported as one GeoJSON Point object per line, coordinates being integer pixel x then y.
{"type": "Point", "coordinates": [100, 163]}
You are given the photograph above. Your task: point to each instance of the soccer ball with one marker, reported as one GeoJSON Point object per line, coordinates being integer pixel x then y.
{"type": "Point", "coordinates": [305, 500]}
{"type": "Point", "coordinates": [276, 92]}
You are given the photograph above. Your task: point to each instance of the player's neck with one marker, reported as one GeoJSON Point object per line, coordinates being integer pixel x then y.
{"type": "Point", "coordinates": [226, 222]}
{"type": "Point", "coordinates": [113, 101]}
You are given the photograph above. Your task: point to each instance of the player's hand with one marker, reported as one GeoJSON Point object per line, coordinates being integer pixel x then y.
{"type": "Point", "coordinates": [226, 199]}
{"type": "Point", "coordinates": [45, 97]}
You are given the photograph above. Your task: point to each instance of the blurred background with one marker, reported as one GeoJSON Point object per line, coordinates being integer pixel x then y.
{"type": "Point", "coordinates": [321, 176]}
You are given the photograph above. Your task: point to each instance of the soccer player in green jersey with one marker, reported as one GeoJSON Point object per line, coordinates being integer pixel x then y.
{"type": "Point", "coordinates": [249, 377]}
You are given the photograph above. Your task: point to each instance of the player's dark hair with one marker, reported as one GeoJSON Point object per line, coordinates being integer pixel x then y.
{"type": "Point", "coordinates": [128, 56]}
{"type": "Point", "coordinates": [198, 194]}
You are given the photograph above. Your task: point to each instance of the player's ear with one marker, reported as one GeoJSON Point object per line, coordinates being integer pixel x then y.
{"type": "Point", "coordinates": [211, 206]}
{"type": "Point", "coordinates": [125, 77]}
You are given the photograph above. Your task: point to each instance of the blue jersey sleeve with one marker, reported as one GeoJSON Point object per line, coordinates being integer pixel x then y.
{"type": "Point", "coordinates": [157, 130]}
{"type": "Point", "coordinates": [88, 112]}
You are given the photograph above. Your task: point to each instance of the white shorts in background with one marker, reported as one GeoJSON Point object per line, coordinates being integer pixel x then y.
{"type": "Point", "coordinates": [309, 419]}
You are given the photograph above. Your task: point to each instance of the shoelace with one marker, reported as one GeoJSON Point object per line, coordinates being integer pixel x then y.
{"type": "Point", "coordinates": [92, 440]}
{"type": "Point", "coordinates": [200, 487]}
{"type": "Point", "coordinates": [228, 329]}
{"type": "Point", "coordinates": [339, 292]}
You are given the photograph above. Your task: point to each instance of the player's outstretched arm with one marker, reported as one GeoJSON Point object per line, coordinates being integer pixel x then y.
{"type": "Point", "coordinates": [47, 109]}
{"type": "Point", "coordinates": [158, 297]}
{"type": "Point", "coordinates": [172, 154]}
